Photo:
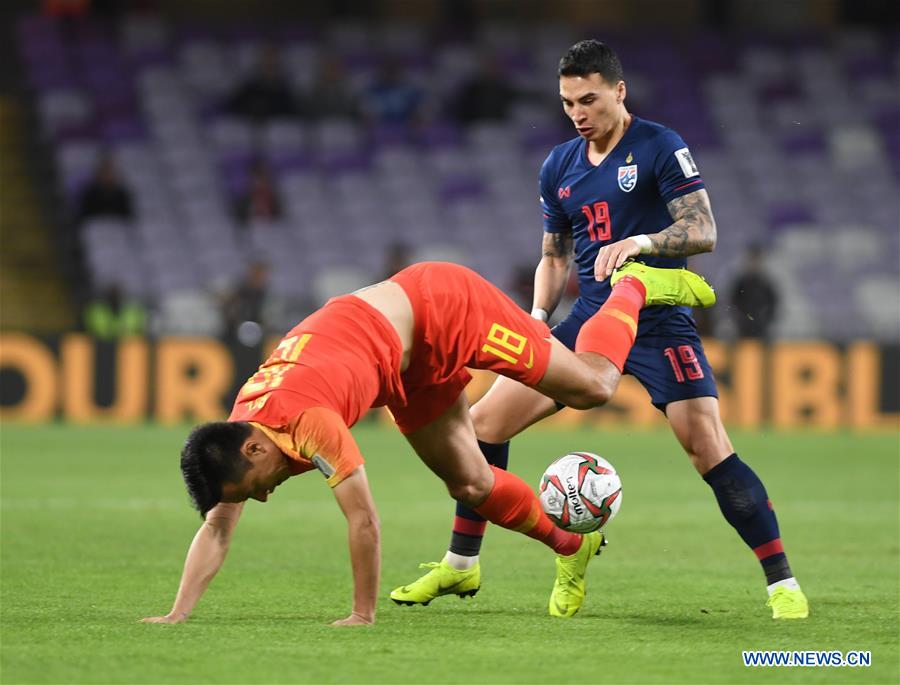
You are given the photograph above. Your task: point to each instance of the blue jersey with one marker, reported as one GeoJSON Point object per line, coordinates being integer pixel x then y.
{"type": "Point", "coordinates": [625, 195]}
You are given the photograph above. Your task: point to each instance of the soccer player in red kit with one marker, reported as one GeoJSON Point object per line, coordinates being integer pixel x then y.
{"type": "Point", "coordinates": [404, 343]}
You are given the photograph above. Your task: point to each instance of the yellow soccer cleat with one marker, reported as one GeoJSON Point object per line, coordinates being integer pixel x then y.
{"type": "Point", "coordinates": [441, 580]}
{"type": "Point", "coordinates": [669, 286]}
{"type": "Point", "coordinates": [568, 590]}
{"type": "Point", "coordinates": [788, 603]}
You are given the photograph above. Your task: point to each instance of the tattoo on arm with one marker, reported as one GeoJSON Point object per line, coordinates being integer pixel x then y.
{"type": "Point", "coordinates": [557, 245]}
{"type": "Point", "coordinates": [692, 232]}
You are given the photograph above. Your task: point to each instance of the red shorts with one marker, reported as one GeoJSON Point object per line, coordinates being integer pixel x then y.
{"type": "Point", "coordinates": [462, 320]}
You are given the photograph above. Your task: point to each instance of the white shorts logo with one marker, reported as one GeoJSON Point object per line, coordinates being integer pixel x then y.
{"type": "Point", "coordinates": [686, 162]}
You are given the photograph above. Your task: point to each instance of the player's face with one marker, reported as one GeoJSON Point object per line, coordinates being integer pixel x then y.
{"type": "Point", "coordinates": [593, 104]}
{"type": "Point", "coordinates": [270, 469]}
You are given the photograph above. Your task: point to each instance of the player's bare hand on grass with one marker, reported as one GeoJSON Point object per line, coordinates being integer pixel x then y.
{"type": "Point", "coordinates": [354, 619]}
{"type": "Point", "coordinates": [168, 618]}
{"type": "Point", "coordinates": [613, 256]}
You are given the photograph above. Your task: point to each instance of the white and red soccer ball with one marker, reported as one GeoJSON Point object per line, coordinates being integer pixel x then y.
{"type": "Point", "coordinates": [581, 492]}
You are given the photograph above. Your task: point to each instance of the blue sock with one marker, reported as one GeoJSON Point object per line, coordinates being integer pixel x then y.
{"type": "Point", "coordinates": [468, 526]}
{"type": "Point", "coordinates": [745, 505]}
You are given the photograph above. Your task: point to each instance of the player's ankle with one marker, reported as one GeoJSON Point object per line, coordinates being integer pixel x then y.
{"type": "Point", "coordinates": [790, 583]}
{"type": "Point", "coordinates": [459, 561]}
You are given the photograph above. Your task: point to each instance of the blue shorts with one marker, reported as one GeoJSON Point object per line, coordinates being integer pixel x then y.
{"type": "Point", "coordinates": [668, 359]}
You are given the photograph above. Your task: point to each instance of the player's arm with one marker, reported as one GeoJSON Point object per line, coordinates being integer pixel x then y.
{"type": "Point", "coordinates": [693, 231]}
{"type": "Point", "coordinates": [355, 499]}
{"type": "Point", "coordinates": [322, 433]}
{"type": "Point", "coordinates": [204, 559]}
{"type": "Point", "coordinates": [552, 272]}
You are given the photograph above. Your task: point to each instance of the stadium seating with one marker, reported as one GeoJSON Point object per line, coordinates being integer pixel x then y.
{"type": "Point", "coordinates": [797, 139]}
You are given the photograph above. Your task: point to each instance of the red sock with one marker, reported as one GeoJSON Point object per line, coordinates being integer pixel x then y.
{"type": "Point", "coordinates": [513, 505]}
{"type": "Point", "coordinates": [611, 331]}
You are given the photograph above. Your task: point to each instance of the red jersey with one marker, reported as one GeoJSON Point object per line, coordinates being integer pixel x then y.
{"type": "Point", "coordinates": [341, 361]}
{"type": "Point", "coordinates": [345, 358]}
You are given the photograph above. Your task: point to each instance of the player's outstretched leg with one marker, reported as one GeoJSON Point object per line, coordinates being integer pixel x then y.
{"type": "Point", "coordinates": [513, 505]}
{"type": "Point", "coordinates": [668, 286]}
{"type": "Point", "coordinates": [611, 332]}
{"type": "Point", "coordinates": [447, 445]}
{"type": "Point", "coordinates": [468, 525]}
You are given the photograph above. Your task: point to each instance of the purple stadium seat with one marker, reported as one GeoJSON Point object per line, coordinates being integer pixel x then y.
{"type": "Point", "coordinates": [39, 40]}
{"type": "Point", "coordinates": [439, 134]}
{"type": "Point", "coordinates": [803, 142]}
{"type": "Point", "coordinates": [770, 150]}
{"type": "Point", "coordinates": [387, 135]}
{"type": "Point", "coordinates": [123, 129]}
{"type": "Point", "coordinates": [786, 214]}
{"type": "Point", "coordinates": [453, 188]}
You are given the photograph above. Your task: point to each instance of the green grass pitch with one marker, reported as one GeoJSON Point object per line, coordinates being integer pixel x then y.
{"type": "Point", "coordinates": [95, 525]}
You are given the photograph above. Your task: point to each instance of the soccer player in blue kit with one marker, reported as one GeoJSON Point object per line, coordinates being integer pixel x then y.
{"type": "Point", "coordinates": [625, 188]}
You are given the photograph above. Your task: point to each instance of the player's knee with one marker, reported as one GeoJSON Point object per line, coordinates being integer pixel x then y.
{"type": "Point", "coordinates": [705, 457]}
{"type": "Point", "coordinates": [707, 447]}
{"type": "Point", "coordinates": [481, 420]}
{"type": "Point", "coordinates": [603, 391]}
{"type": "Point", "coordinates": [596, 393]}
{"type": "Point", "coordinates": [471, 492]}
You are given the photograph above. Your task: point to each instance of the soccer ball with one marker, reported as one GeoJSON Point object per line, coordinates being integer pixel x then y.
{"type": "Point", "coordinates": [580, 492]}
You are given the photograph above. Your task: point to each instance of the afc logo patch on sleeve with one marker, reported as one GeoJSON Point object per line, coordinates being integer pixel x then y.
{"type": "Point", "coordinates": [323, 466]}
{"type": "Point", "coordinates": [686, 162]}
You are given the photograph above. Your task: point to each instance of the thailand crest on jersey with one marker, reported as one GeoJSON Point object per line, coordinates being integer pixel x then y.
{"type": "Point", "coordinates": [628, 177]}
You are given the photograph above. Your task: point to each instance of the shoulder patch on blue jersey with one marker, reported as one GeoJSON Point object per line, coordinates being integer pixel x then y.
{"type": "Point", "coordinates": [628, 177]}
{"type": "Point", "coordinates": [686, 162]}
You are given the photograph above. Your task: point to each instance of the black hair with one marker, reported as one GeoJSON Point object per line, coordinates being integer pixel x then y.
{"type": "Point", "coordinates": [212, 456]}
{"type": "Point", "coordinates": [591, 56]}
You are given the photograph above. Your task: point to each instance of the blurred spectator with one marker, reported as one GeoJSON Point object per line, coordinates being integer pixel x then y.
{"type": "Point", "coordinates": [105, 194]}
{"type": "Point", "coordinates": [754, 299]}
{"type": "Point", "coordinates": [330, 94]}
{"type": "Point", "coordinates": [487, 95]}
{"type": "Point", "coordinates": [391, 98]}
{"type": "Point", "coordinates": [261, 201]}
{"type": "Point", "coordinates": [112, 315]}
{"type": "Point", "coordinates": [265, 93]}
{"type": "Point", "coordinates": [244, 310]}
{"type": "Point", "coordinates": [704, 318]}
{"type": "Point", "coordinates": [397, 258]}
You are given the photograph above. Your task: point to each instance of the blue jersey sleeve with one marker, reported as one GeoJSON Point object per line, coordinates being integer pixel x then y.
{"type": "Point", "coordinates": [676, 172]}
{"type": "Point", "coordinates": [555, 219]}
